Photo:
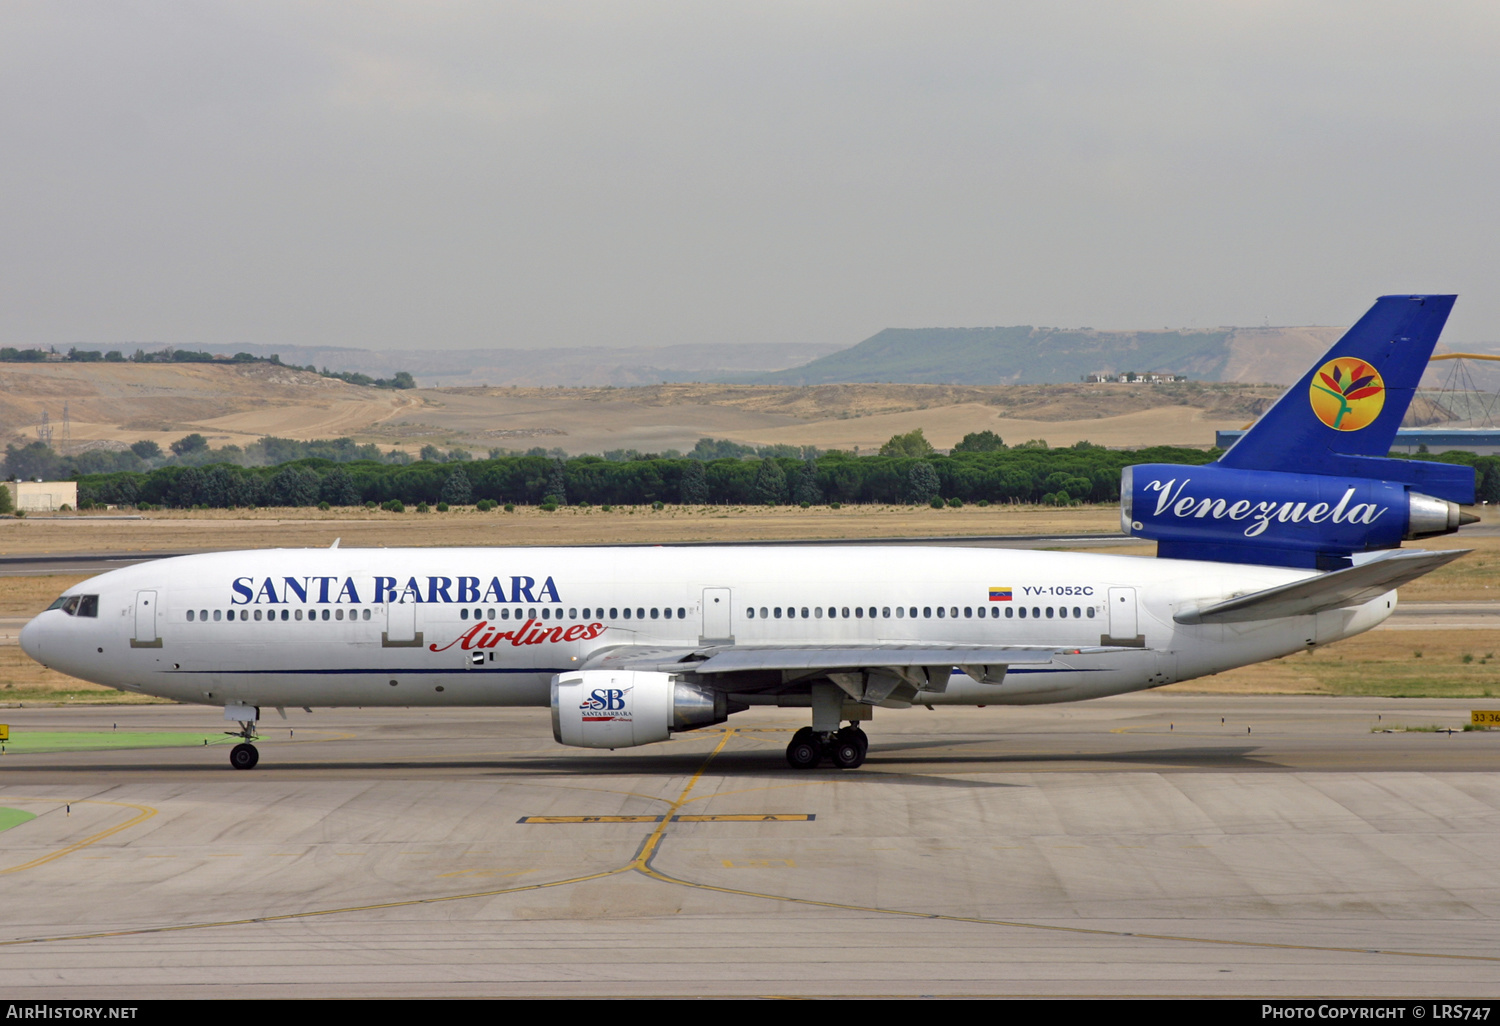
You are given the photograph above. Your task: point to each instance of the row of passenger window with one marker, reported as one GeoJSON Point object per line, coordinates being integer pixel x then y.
{"type": "Point", "coordinates": [927, 612]}
{"type": "Point", "coordinates": [270, 614]}
{"type": "Point", "coordinates": [546, 613]}
{"type": "Point", "coordinates": [589, 613]}
{"type": "Point", "coordinates": [640, 613]}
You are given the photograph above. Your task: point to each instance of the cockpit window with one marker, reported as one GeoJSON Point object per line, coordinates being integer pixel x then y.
{"type": "Point", "coordinates": [77, 605]}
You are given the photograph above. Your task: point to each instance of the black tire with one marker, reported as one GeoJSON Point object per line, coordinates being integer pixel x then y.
{"type": "Point", "coordinates": [243, 757]}
{"type": "Point", "coordinates": [860, 737]}
{"type": "Point", "coordinates": [804, 754]}
{"type": "Point", "coordinates": [848, 753]}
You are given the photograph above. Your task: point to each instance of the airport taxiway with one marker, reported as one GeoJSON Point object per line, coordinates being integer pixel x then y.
{"type": "Point", "coordinates": [1151, 844]}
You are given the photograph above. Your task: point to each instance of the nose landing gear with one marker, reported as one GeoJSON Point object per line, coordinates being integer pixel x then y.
{"type": "Point", "coordinates": [845, 748]}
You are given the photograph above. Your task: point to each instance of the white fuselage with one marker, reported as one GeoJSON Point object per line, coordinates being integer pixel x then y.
{"type": "Point", "coordinates": [492, 626]}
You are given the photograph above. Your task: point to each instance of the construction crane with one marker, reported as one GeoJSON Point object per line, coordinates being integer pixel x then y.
{"type": "Point", "coordinates": [1460, 395]}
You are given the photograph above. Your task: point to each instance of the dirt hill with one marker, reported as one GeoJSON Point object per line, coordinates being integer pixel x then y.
{"type": "Point", "coordinates": [115, 404]}
{"type": "Point", "coordinates": [226, 402]}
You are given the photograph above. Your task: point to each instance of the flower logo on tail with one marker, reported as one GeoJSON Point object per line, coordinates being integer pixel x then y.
{"type": "Point", "coordinates": [1347, 394]}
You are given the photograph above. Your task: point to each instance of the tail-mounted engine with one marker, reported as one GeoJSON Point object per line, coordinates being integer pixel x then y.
{"type": "Point", "coordinates": [1276, 518]}
{"type": "Point", "coordinates": [625, 708]}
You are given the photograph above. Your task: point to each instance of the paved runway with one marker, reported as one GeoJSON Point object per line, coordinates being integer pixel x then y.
{"type": "Point", "coordinates": [1131, 846]}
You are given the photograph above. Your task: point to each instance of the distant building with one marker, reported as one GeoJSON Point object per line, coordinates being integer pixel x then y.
{"type": "Point", "coordinates": [42, 496]}
{"type": "Point", "coordinates": [1134, 378]}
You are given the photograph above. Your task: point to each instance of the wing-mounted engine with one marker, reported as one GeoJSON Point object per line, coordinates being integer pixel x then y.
{"type": "Point", "coordinates": [625, 708]}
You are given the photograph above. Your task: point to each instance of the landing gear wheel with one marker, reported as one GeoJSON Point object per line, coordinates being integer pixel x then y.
{"type": "Point", "coordinates": [804, 752]}
{"type": "Point", "coordinates": [243, 757]}
{"type": "Point", "coordinates": [847, 752]}
{"type": "Point", "coordinates": [854, 733]}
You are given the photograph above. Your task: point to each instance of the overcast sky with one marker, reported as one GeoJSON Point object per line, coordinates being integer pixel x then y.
{"type": "Point", "coordinates": [547, 174]}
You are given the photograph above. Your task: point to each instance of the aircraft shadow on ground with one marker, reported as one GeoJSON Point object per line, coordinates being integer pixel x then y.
{"type": "Point", "coordinates": [909, 759]}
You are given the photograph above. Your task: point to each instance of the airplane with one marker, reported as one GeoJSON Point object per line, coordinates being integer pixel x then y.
{"type": "Point", "coordinates": [1290, 541]}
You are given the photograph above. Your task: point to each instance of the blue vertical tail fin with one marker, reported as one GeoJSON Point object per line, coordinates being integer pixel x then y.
{"type": "Point", "coordinates": [1353, 400]}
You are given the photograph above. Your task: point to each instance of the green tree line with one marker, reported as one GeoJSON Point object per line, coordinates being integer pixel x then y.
{"type": "Point", "coordinates": [342, 473]}
{"type": "Point", "coordinates": [1058, 476]}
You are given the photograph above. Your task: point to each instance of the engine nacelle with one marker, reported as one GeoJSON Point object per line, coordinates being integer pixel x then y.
{"type": "Point", "coordinates": [625, 708]}
{"type": "Point", "coordinates": [1273, 517]}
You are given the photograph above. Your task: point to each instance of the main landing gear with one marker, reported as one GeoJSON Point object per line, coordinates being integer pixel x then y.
{"type": "Point", "coordinates": [243, 756]}
{"type": "Point", "coordinates": [845, 748]}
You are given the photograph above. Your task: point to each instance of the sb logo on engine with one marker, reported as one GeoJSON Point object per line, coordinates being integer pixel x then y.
{"type": "Point", "coordinates": [605, 699]}
{"type": "Point", "coordinates": [1347, 394]}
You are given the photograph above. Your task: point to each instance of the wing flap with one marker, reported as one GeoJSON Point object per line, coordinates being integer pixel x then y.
{"type": "Point", "coordinates": [1348, 587]}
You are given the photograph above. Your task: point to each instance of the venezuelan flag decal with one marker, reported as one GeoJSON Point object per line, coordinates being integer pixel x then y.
{"type": "Point", "coordinates": [999, 594]}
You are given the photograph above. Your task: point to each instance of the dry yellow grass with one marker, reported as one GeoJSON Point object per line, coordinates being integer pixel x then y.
{"type": "Point", "coordinates": [27, 596]}
{"type": "Point", "coordinates": [867, 399]}
{"type": "Point", "coordinates": [1397, 664]}
{"type": "Point", "coordinates": [1472, 578]}
{"type": "Point", "coordinates": [24, 681]}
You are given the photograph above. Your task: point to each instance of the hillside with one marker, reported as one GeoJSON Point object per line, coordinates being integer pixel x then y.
{"type": "Point", "coordinates": [1028, 355]}
{"type": "Point", "coordinates": [116, 404]}
{"type": "Point", "coordinates": [569, 365]}
{"type": "Point", "coordinates": [230, 403]}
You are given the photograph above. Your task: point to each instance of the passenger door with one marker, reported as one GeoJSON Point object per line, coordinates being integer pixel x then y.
{"type": "Point", "coordinates": [1124, 619]}
{"type": "Point", "coordinates": [718, 623]}
{"type": "Point", "coordinates": [401, 626]}
{"type": "Point", "coordinates": [145, 621]}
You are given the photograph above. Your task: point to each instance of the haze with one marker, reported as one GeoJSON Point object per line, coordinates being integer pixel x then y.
{"type": "Point", "coordinates": [544, 174]}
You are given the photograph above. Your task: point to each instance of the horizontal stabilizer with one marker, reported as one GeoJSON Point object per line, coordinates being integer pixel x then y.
{"type": "Point", "coordinates": [1335, 590]}
{"type": "Point", "coordinates": [1451, 481]}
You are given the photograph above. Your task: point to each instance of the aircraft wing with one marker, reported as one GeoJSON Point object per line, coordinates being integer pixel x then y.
{"type": "Point", "coordinates": [878, 674]}
{"type": "Point", "coordinates": [718, 659]}
{"type": "Point", "coordinates": [817, 657]}
{"type": "Point", "coordinates": [1348, 587]}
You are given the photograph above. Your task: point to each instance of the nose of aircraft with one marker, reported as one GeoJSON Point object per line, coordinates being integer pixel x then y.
{"type": "Point", "coordinates": [31, 638]}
